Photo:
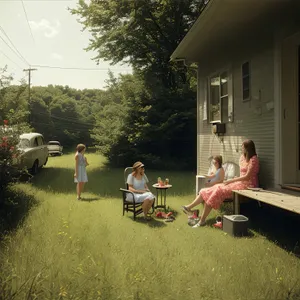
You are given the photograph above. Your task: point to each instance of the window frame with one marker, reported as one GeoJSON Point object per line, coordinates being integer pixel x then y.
{"type": "Point", "coordinates": [229, 95]}
{"type": "Point", "coordinates": [40, 140]}
{"type": "Point", "coordinates": [35, 142]}
{"type": "Point", "coordinates": [242, 81]}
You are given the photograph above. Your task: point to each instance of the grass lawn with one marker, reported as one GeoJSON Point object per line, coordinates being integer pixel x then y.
{"type": "Point", "coordinates": [69, 249]}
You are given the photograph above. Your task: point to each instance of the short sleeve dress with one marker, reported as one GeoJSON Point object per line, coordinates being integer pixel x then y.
{"type": "Point", "coordinates": [81, 175]}
{"type": "Point", "coordinates": [138, 184]}
{"type": "Point", "coordinates": [215, 195]}
{"type": "Point", "coordinates": [216, 177]}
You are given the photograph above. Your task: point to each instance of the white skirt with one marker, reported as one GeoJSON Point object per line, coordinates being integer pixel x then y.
{"type": "Point", "coordinates": [81, 176]}
{"type": "Point", "coordinates": [139, 198]}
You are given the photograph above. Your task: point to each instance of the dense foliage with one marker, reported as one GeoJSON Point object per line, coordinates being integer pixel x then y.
{"type": "Point", "coordinates": [125, 122]}
{"type": "Point", "coordinates": [59, 113]}
{"type": "Point", "coordinates": [158, 120]}
{"type": "Point", "coordinates": [9, 136]}
{"type": "Point", "coordinates": [149, 115]}
{"type": "Point", "coordinates": [8, 154]}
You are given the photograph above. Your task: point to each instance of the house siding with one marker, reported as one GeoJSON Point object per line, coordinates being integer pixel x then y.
{"type": "Point", "coordinates": [252, 119]}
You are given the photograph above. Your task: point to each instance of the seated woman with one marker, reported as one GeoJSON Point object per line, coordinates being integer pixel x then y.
{"type": "Point", "coordinates": [214, 196]}
{"type": "Point", "coordinates": [137, 183]}
{"type": "Point", "coordinates": [219, 174]}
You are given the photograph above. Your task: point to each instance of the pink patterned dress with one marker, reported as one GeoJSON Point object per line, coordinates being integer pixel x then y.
{"type": "Point", "coordinates": [215, 195]}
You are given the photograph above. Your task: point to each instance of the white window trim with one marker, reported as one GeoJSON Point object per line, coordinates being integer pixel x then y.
{"type": "Point", "coordinates": [229, 71]}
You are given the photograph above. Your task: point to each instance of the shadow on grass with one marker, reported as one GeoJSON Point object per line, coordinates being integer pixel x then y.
{"type": "Point", "coordinates": [90, 199]}
{"type": "Point", "coordinates": [151, 223]}
{"type": "Point", "coordinates": [278, 225]}
{"type": "Point", "coordinates": [14, 208]}
{"type": "Point", "coordinates": [61, 180]}
{"type": "Point", "coordinates": [105, 181]}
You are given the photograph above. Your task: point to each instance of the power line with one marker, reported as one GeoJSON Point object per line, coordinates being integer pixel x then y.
{"type": "Point", "coordinates": [17, 52]}
{"type": "Point", "coordinates": [77, 68]}
{"type": "Point", "coordinates": [59, 126]}
{"type": "Point", "coordinates": [67, 126]}
{"type": "Point", "coordinates": [3, 31]}
{"type": "Point", "coordinates": [69, 119]}
{"type": "Point", "coordinates": [27, 21]}
{"type": "Point", "coordinates": [11, 48]}
{"type": "Point", "coordinates": [11, 59]}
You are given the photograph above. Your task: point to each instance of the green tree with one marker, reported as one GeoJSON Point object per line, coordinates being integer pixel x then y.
{"type": "Point", "coordinates": [111, 133]}
{"type": "Point", "coordinates": [161, 119]}
{"type": "Point", "coordinates": [13, 104]}
{"type": "Point", "coordinates": [9, 137]}
{"type": "Point", "coordinates": [143, 33]}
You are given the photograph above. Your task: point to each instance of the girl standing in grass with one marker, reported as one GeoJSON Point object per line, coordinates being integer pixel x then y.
{"type": "Point", "coordinates": [80, 176]}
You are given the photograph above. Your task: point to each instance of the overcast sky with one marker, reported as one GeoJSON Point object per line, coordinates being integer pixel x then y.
{"type": "Point", "coordinates": [56, 40]}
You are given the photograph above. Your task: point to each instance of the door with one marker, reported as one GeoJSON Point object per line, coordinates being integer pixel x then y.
{"type": "Point", "coordinates": [290, 104]}
{"type": "Point", "coordinates": [43, 150]}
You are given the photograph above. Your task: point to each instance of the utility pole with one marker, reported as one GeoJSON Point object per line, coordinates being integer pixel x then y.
{"type": "Point", "coordinates": [29, 82]}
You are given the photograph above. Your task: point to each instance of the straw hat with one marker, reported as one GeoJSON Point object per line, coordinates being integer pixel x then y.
{"type": "Point", "coordinates": [137, 165]}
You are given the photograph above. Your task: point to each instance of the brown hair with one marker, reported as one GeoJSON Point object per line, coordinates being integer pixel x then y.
{"type": "Point", "coordinates": [249, 147]}
{"type": "Point", "coordinates": [137, 164]}
{"type": "Point", "coordinates": [219, 160]}
{"type": "Point", "coordinates": [80, 147]}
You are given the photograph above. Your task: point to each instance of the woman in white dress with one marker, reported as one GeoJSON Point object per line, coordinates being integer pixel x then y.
{"type": "Point", "coordinates": [137, 183]}
{"type": "Point", "coordinates": [80, 176]}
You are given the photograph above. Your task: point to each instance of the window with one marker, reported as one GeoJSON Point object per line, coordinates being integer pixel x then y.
{"type": "Point", "coordinates": [220, 98]}
{"type": "Point", "coordinates": [40, 141]}
{"type": "Point", "coordinates": [215, 114]}
{"type": "Point", "coordinates": [54, 143]}
{"type": "Point", "coordinates": [24, 143]}
{"type": "Point", "coordinates": [246, 81]}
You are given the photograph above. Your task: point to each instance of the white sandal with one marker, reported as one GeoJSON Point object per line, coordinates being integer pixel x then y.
{"type": "Point", "coordinates": [199, 224]}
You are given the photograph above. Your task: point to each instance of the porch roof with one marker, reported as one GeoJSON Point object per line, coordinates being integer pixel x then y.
{"type": "Point", "coordinates": [223, 21]}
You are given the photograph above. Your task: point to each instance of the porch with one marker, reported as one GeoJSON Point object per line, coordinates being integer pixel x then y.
{"type": "Point", "coordinates": [287, 200]}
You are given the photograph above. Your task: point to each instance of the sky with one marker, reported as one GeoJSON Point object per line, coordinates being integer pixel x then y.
{"type": "Point", "coordinates": [50, 37]}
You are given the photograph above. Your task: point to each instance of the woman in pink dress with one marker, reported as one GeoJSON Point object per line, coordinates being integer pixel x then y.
{"type": "Point", "coordinates": [214, 196]}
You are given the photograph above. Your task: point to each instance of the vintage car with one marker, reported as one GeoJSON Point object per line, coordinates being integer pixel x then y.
{"type": "Point", "coordinates": [55, 148]}
{"type": "Point", "coordinates": [33, 151]}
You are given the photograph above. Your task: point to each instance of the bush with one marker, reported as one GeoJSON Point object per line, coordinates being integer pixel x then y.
{"type": "Point", "coordinates": [9, 168]}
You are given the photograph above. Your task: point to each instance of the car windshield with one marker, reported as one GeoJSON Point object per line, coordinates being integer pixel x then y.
{"type": "Point", "coordinates": [53, 143]}
{"type": "Point", "coordinates": [24, 143]}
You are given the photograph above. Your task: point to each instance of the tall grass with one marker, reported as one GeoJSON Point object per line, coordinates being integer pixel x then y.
{"type": "Point", "coordinates": [69, 249]}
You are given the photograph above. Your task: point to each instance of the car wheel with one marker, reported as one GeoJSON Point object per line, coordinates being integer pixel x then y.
{"type": "Point", "coordinates": [35, 167]}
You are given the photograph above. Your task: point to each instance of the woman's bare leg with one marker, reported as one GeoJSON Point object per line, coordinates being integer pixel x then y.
{"type": "Point", "coordinates": [197, 201]}
{"type": "Point", "coordinates": [78, 190]}
{"type": "Point", "coordinates": [82, 186]}
{"type": "Point", "coordinates": [145, 206]}
{"type": "Point", "coordinates": [150, 204]}
{"type": "Point", "coordinates": [207, 209]}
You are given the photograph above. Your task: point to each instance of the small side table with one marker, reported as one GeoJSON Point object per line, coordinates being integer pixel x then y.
{"type": "Point", "coordinates": [163, 195]}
